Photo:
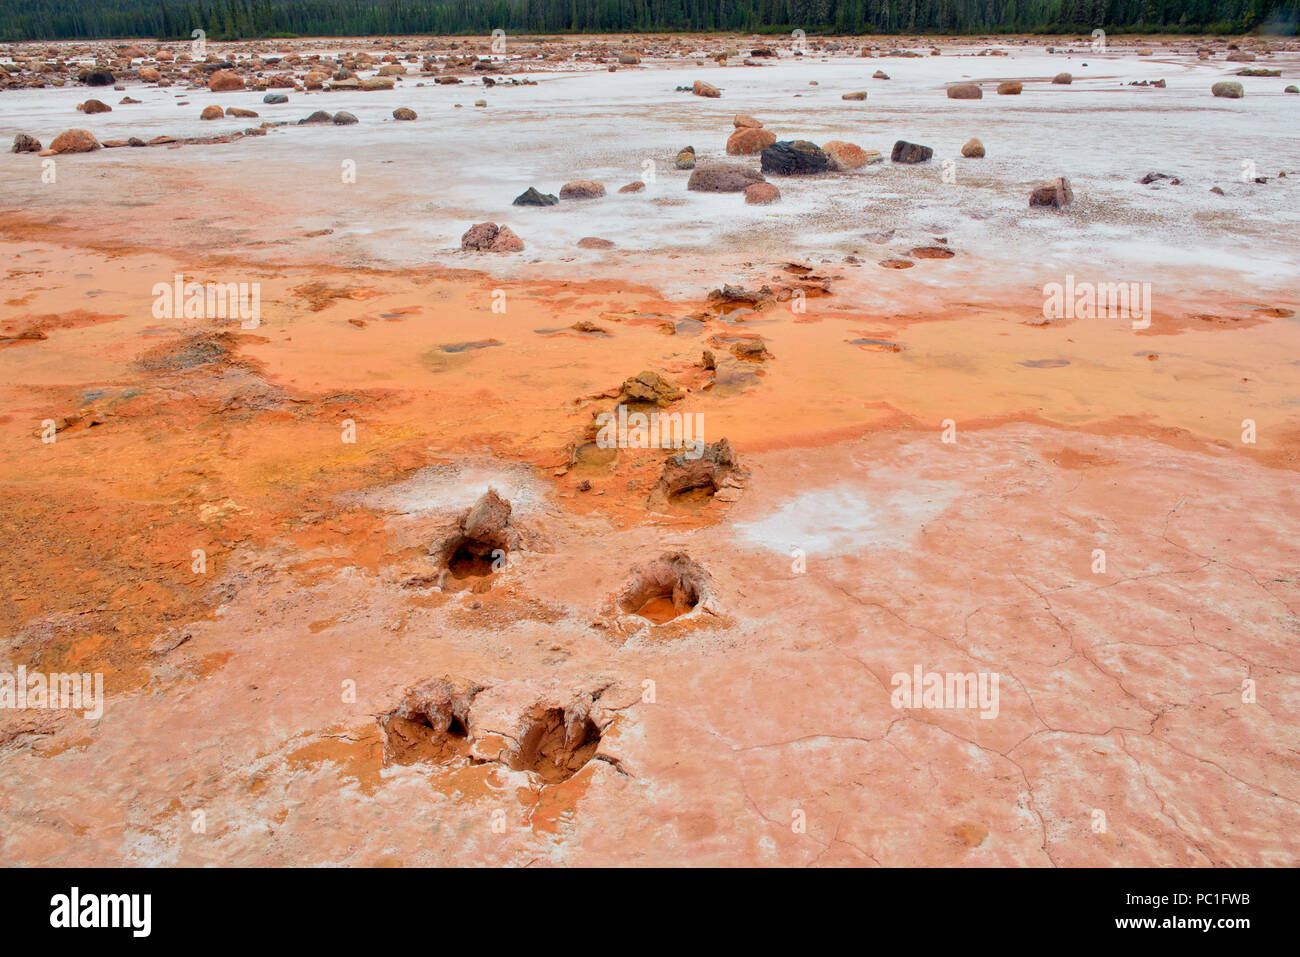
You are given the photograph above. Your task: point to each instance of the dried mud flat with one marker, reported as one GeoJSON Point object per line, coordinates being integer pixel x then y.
{"type": "Point", "coordinates": [365, 588]}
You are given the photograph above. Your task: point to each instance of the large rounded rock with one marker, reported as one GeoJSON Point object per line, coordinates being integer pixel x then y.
{"type": "Point", "coordinates": [795, 158]}
{"type": "Point", "coordinates": [320, 116]}
{"type": "Point", "coordinates": [973, 149]}
{"type": "Point", "coordinates": [344, 118]}
{"type": "Point", "coordinates": [148, 74]}
{"type": "Point", "coordinates": [723, 178]}
{"type": "Point", "coordinates": [225, 80]}
{"type": "Point", "coordinates": [685, 158]}
{"type": "Point", "coordinates": [489, 237]}
{"type": "Point", "coordinates": [857, 95]}
{"type": "Point", "coordinates": [582, 189]}
{"type": "Point", "coordinates": [212, 112]}
{"type": "Point", "coordinates": [1063, 78]}
{"type": "Point", "coordinates": [95, 106]}
{"type": "Point", "coordinates": [748, 140]}
{"type": "Point", "coordinates": [1010, 88]}
{"type": "Point", "coordinates": [905, 152]}
{"type": "Point", "coordinates": [1055, 194]}
{"type": "Point", "coordinates": [25, 144]}
{"type": "Point", "coordinates": [1229, 88]}
{"type": "Point", "coordinates": [747, 121]}
{"type": "Point", "coordinates": [275, 98]}
{"type": "Point", "coordinates": [761, 194]}
{"type": "Point", "coordinates": [74, 141]}
{"type": "Point", "coordinates": [403, 113]}
{"type": "Point", "coordinates": [965, 91]}
{"type": "Point", "coordinates": [97, 77]}
{"type": "Point", "coordinates": [846, 156]}
{"type": "Point", "coordinates": [705, 89]}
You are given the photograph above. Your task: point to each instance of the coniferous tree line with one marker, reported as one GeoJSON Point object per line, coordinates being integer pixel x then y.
{"type": "Point", "coordinates": [239, 19]}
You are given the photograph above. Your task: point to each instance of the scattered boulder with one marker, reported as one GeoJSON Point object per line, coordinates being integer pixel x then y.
{"type": "Point", "coordinates": [532, 197]}
{"type": "Point", "coordinates": [275, 98]}
{"type": "Point", "coordinates": [965, 91]}
{"type": "Point", "coordinates": [344, 118]}
{"type": "Point", "coordinates": [148, 74]}
{"type": "Point", "coordinates": [846, 156]}
{"type": "Point", "coordinates": [1154, 177]}
{"type": "Point", "coordinates": [745, 121]}
{"type": "Point", "coordinates": [582, 189]}
{"type": "Point", "coordinates": [403, 113]}
{"type": "Point", "coordinates": [75, 141]}
{"type": "Point", "coordinates": [595, 242]}
{"type": "Point", "coordinates": [723, 178]}
{"type": "Point", "coordinates": [795, 158]}
{"type": "Point", "coordinates": [634, 187]}
{"type": "Point", "coordinates": [857, 95]}
{"type": "Point", "coordinates": [240, 112]}
{"type": "Point", "coordinates": [24, 143]}
{"type": "Point", "coordinates": [373, 83]}
{"type": "Point", "coordinates": [905, 152]}
{"type": "Point", "coordinates": [1063, 78]}
{"type": "Point", "coordinates": [94, 106]}
{"type": "Point", "coordinates": [489, 237]}
{"type": "Point", "coordinates": [1228, 88]}
{"type": "Point", "coordinates": [97, 77]}
{"type": "Point", "coordinates": [705, 89]}
{"type": "Point", "coordinates": [320, 116]}
{"type": "Point", "coordinates": [1292, 89]}
{"type": "Point", "coordinates": [628, 59]}
{"type": "Point", "coordinates": [1010, 88]}
{"type": "Point", "coordinates": [748, 140]}
{"type": "Point", "coordinates": [224, 81]}
{"type": "Point", "coordinates": [212, 112]}
{"type": "Point", "coordinates": [761, 194]}
{"type": "Point", "coordinates": [1240, 56]}
{"type": "Point", "coordinates": [1055, 194]}
{"type": "Point", "coordinates": [973, 149]}
{"type": "Point", "coordinates": [685, 158]}
{"type": "Point", "coordinates": [880, 75]}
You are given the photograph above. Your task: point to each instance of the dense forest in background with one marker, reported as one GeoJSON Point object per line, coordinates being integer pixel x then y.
{"type": "Point", "coordinates": [238, 19]}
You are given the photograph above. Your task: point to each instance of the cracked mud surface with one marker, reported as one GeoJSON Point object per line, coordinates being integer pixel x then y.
{"type": "Point", "coordinates": [357, 678]}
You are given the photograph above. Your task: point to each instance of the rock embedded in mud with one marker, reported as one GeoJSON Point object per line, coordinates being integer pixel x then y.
{"type": "Point", "coordinates": [320, 116]}
{"type": "Point", "coordinates": [634, 187]}
{"type": "Point", "coordinates": [747, 140]}
{"type": "Point", "coordinates": [973, 149]}
{"type": "Point", "coordinates": [582, 189]}
{"type": "Point", "coordinates": [1063, 78]}
{"type": "Point", "coordinates": [404, 113]}
{"type": "Point", "coordinates": [700, 88]}
{"type": "Point", "coordinates": [595, 242]}
{"type": "Point", "coordinates": [795, 158]}
{"type": "Point", "coordinates": [1010, 88]}
{"type": "Point", "coordinates": [723, 178]}
{"type": "Point", "coordinates": [489, 237]}
{"type": "Point", "coordinates": [74, 141]}
{"type": "Point", "coordinates": [96, 77]}
{"type": "Point", "coordinates": [905, 152]}
{"type": "Point", "coordinates": [533, 197]}
{"type": "Point", "coordinates": [685, 158]}
{"type": "Point", "coordinates": [273, 98]}
{"type": "Point", "coordinates": [707, 471]}
{"type": "Point", "coordinates": [240, 112]}
{"type": "Point", "coordinates": [648, 388]}
{"type": "Point", "coordinates": [965, 91]}
{"type": "Point", "coordinates": [1228, 88]}
{"type": "Point", "coordinates": [761, 194]}
{"type": "Point", "coordinates": [1055, 194]}
{"type": "Point", "coordinates": [94, 106]}
{"type": "Point", "coordinates": [23, 143]}
{"type": "Point", "coordinates": [856, 95]}
{"type": "Point", "coordinates": [344, 118]}
{"type": "Point", "coordinates": [212, 112]}
{"type": "Point", "coordinates": [745, 121]}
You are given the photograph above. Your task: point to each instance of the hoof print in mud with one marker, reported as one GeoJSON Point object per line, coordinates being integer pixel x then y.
{"type": "Point", "coordinates": [698, 475]}
{"type": "Point", "coordinates": [479, 545]}
{"type": "Point", "coordinates": [671, 587]}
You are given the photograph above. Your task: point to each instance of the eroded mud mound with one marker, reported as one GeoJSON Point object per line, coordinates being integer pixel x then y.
{"type": "Point", "coordinates": [480, 543]}
{"type": "Point", "coordinates": [431, 724]}
{"type": "Point", "coordinates": [555, 745]}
